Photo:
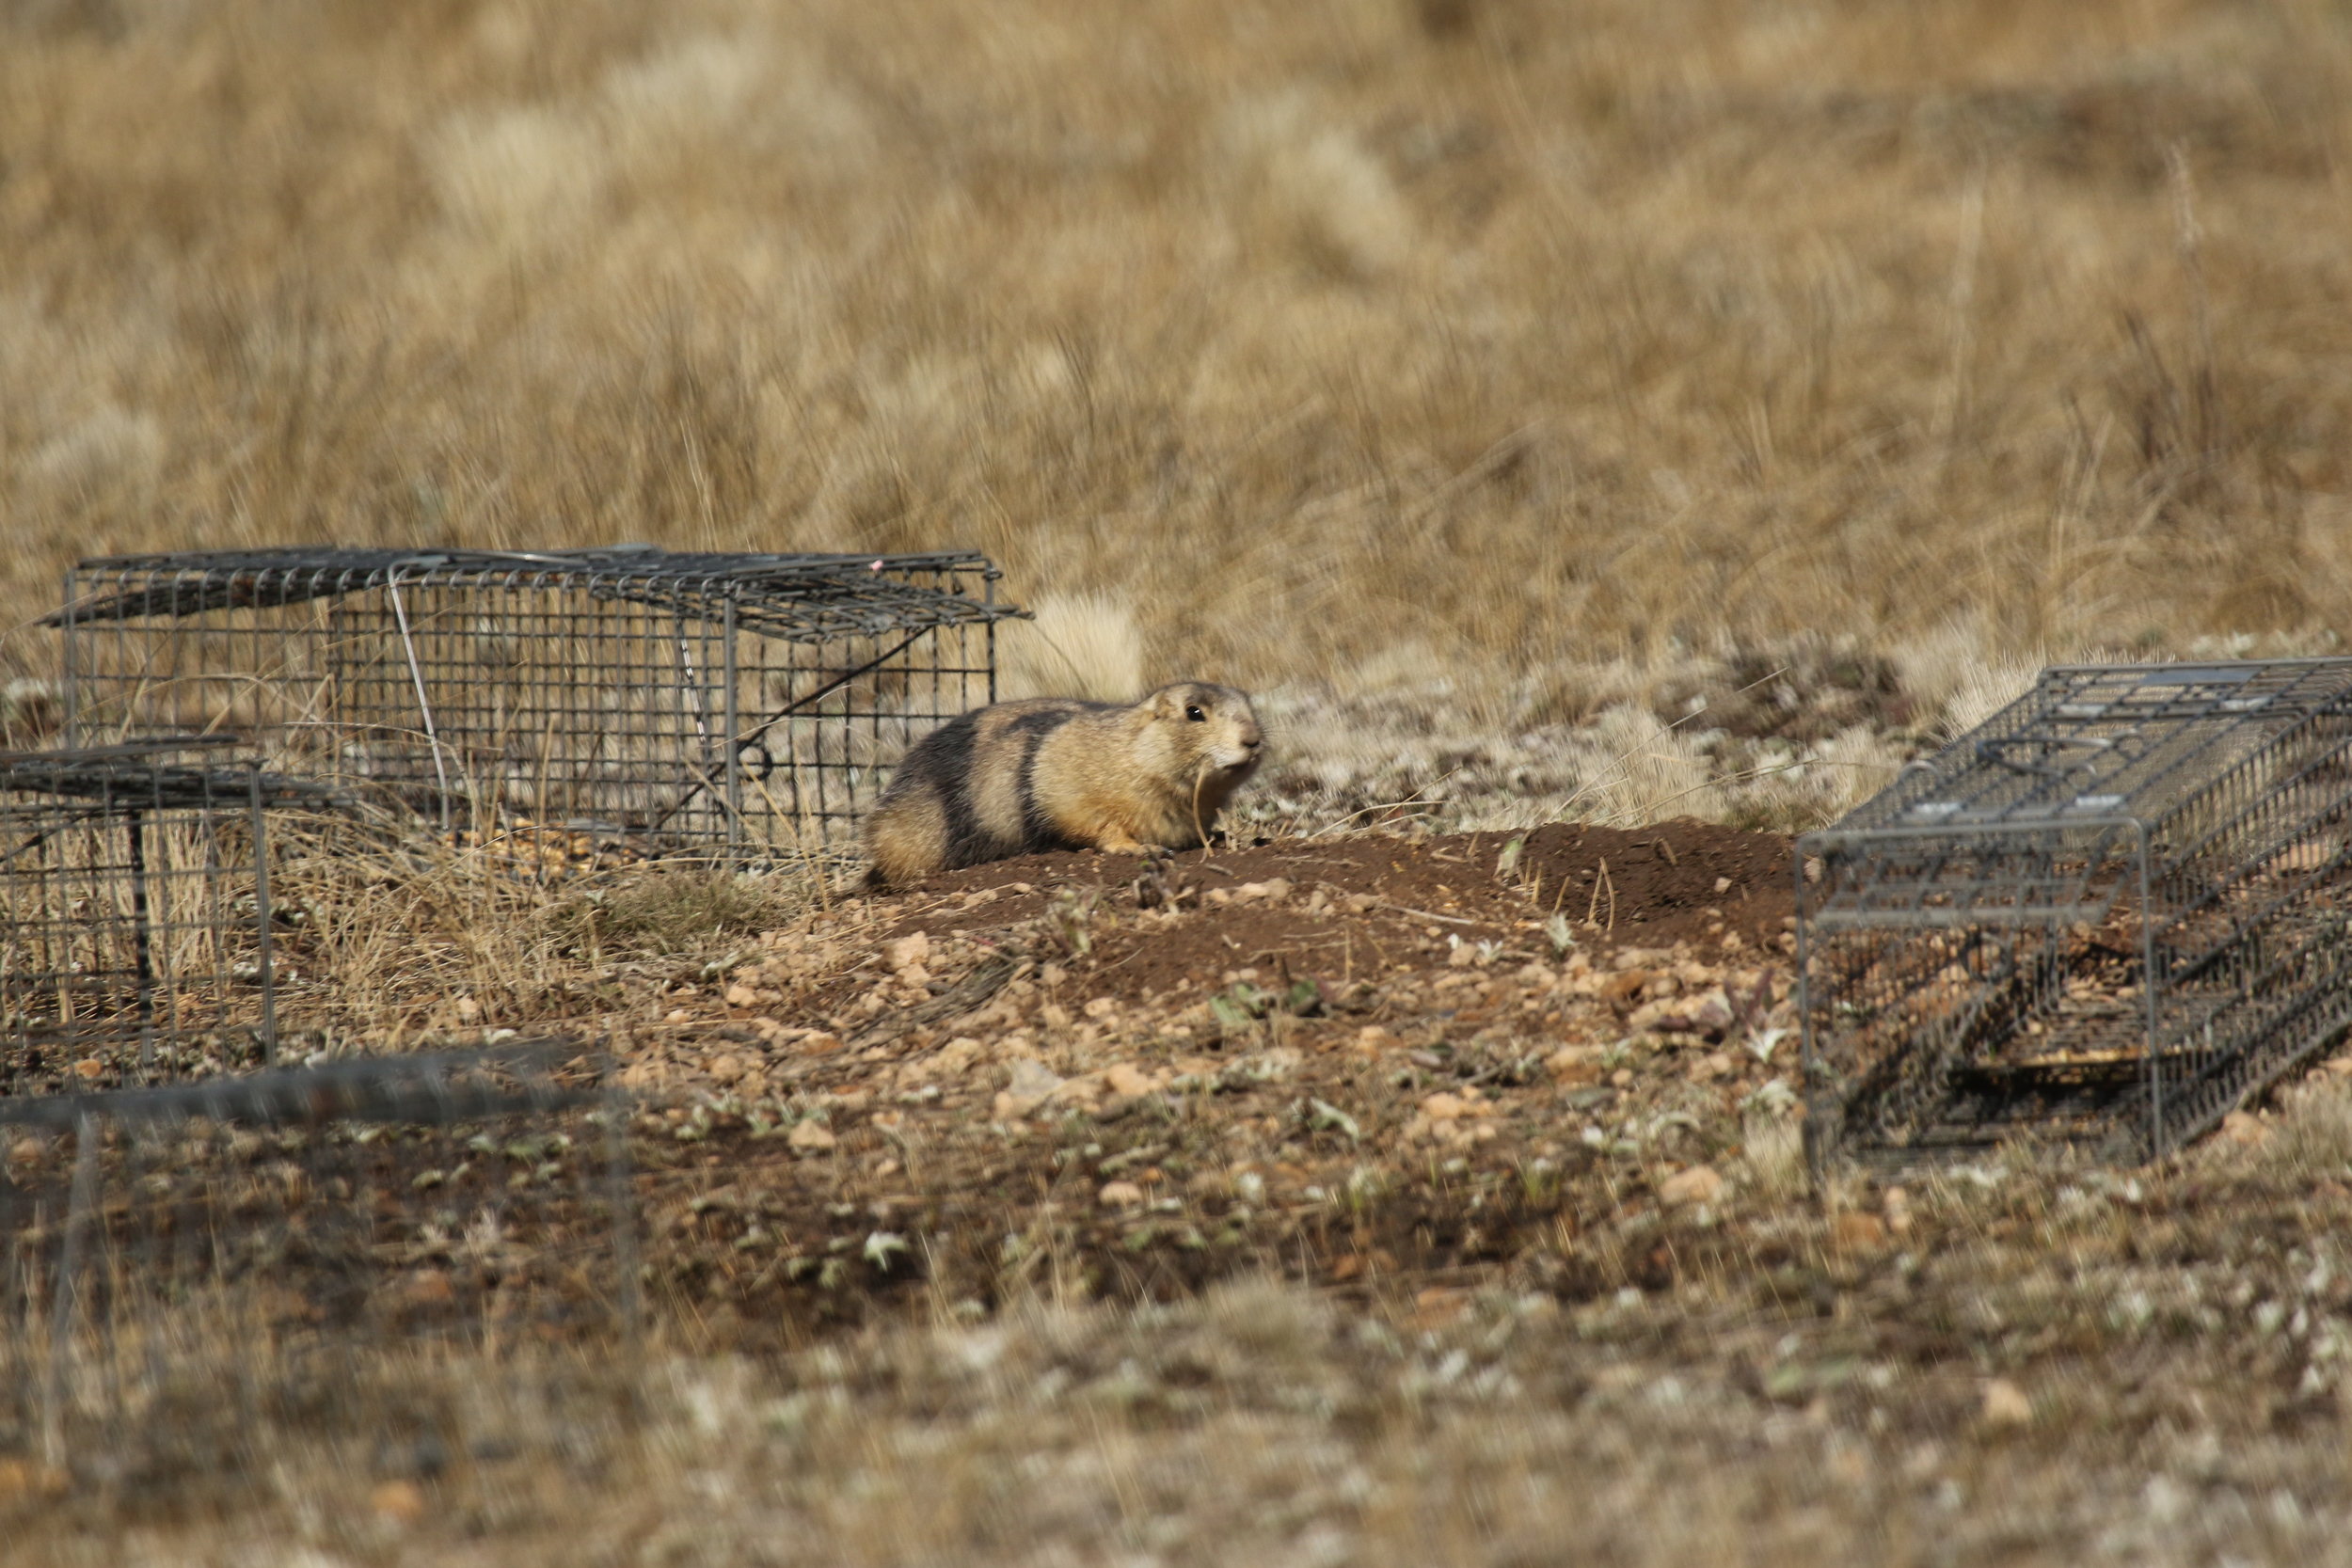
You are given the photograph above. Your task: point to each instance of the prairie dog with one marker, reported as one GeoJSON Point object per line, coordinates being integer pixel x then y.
{"type": "Point", "coordinates": [1056, 773]}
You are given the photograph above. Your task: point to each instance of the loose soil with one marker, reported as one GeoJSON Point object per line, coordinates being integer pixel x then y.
{"type": "Point", "coordinates": [1351, 1060]}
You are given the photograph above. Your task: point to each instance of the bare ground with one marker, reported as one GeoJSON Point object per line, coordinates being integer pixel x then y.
{"type": "Point", "coordinates": [1315, 1202]}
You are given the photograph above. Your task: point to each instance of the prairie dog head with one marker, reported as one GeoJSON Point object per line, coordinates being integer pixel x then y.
{"type": "Point", "coordinates": [1198, 732]}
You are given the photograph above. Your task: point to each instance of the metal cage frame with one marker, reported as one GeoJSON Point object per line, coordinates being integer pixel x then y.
{"type": "Point", "coordinates": [2103, 917]}
{"type": "Point", "coordinates": [135, 910]}
{"type": "Point", "coordinates": [248, 1231]}
{"type": "Point", "coordinates": [662, 703]}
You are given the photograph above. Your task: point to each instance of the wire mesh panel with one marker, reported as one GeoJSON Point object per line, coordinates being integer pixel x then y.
{"type": "Point", "coordinates": [633, 701]}
{"type": "Point", "coordinates": [136, 912]}
{"type": "Point", "coordinates": [2103, 917]}
{"type": "Point", "coordinates": [264, 1236]}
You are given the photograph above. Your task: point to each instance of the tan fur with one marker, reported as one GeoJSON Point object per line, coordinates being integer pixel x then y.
{"type": "Point", "coordinates": [1054, 773]}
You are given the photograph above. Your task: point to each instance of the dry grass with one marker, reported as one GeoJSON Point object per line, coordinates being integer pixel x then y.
{"type": "Point", "coordinates": [1331, 344]}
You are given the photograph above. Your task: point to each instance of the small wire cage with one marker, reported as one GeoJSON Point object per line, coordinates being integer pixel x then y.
{"type": "Point", "coordinates": [644, 701]}
{"type": "Point", "coordinates": [136, 912]}
{"type": "Point", "coordinates": [170, 1252]}
{"type": "Point", "coordinates": [2103, 918]}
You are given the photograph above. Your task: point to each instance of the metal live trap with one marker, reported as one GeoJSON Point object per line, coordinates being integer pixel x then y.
{"type": "Point", "coordinates": [135, 915]}
{"type": "Point", "coordinates": [650, 701]}
{"type": "Point", "coordinates": [2102, 918]}
{"type": "Point", "coordinates": [182, 1262]}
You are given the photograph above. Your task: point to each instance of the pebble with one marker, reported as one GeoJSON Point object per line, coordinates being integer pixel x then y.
{"type": "Point", "coordinates": [1031, 1082]}
{"type": "Point", "coordinates": [400, 1501]}
{"type": "Point", "coordinates": [2243, 1129]}
{"type": "Point", "coordinates": [725, 1069]}
{"type": "Point", "coordinates": [1855, 1232]}
{"type": "Point", "coordinates": [908, 952]}
{"type": "Point", "coordinates": [1125, 1078]}
{"type": "Point", "coordinates": [810, 1137]}
{"type": "Point", "coordinates": [1698, 1184]}
{"type": "Point", "coordinates": [2006, 1404]}
{"type": "Point", "coordinates": [1120, 1195]}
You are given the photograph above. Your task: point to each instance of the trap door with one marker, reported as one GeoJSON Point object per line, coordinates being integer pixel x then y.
{"type": "Point", "coordinates": [1958, 984]}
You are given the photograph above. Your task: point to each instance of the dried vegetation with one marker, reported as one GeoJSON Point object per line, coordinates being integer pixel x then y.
{"type": "Point", "coordinates": [1688, 410]}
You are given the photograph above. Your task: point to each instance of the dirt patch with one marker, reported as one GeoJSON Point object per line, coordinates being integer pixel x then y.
{"type": "Point", "coordinates": [1356, 1060]}
{"type": "Point", "coordinates": [1680, 881]}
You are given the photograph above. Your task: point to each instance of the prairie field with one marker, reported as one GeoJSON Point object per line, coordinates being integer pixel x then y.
{"type": "Point", "coordinates": [1556, 414]}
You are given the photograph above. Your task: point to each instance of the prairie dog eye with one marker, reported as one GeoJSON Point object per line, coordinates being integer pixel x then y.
{"type": "Point", "coordinates": [1193, 712]}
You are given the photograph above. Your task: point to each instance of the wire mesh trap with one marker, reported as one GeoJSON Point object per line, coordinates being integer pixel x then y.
{"type": "Point", "coordinates": [2103, 918]}
{"type": "Point", "coordinates": [261, 1237]}
{"type": "Point", "coordinates": [555, 709]}
{"type": "Point", "coordinates": [136, 912]}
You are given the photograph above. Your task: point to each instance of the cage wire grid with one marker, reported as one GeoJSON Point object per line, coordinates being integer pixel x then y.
{"type": "Point", "coordinates": [135, 910]}
{"type": "Point", "coordinates": [2103, 917]}
{"type": "Point", "coordinates": [578, 705]}
{"type": "Point", "coordinates": [259, 1236]}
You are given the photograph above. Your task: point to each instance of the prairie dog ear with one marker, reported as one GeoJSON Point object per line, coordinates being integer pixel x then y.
{"type": "Point", "coordinates": [1165, 701]}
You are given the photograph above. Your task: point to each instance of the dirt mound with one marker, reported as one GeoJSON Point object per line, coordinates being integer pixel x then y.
{"type": "Point", "coordinates": [1348, 1058]}
{"type": "Point", "coordinates": [1680, 881]}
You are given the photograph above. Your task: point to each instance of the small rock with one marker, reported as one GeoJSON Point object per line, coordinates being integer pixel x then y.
{"type": "Point", "coordinates": [1698, 1184]}
{"type": "Point", "coordinates": [1125, 1078]}
{"type": "Point", "coordinates": [1574, 1064]}
{"type": "Point", "coordinates": [908, 952]}
{"type": "Point", "coordinates": [1272, 892]}
{"type": "Point", "coordinates": [819, 1044]}
{"type": "Point", "coordinates": [1371, 1040]}
{"type": "Point", "coordinates": [740, 995]}
{"type": "Point", "coordinates": [810, 1137]}
{"type": "Point", "coordinates": [1102, 1006]}
{"type": "Point", "coordinates": [400, 1501]}
{"type": "Point", "coordinates": [1120, 1195]}
{"type": "Point", "coordinates": [1723, 884]}
{"type": "Point", "coordinates": [914, 975]}
{"type": "Point", "coordinates": [1031, 1083]}
{"type": "Point", "coordinates": [2006, 1404]}
{"type": "Point", "coordinates": [89, 1068]}
{"type": "Point", "coordinates": [428, 1288]}
{"type": "Point", "coordinates": [1438, 1307]}
{"type": "Point", "coordinates": [677, 1015]}
{"type": "Point", "coordinates": [1898, 1207]}
{"type": "Point", "coordinates": [725, 1069]}
{"type": "Point", "coordinates": [1623, 987]}
{"type": "Point", "coordinates": [1442, 1106]}
{"type": "Point", "coordinates": [1855, 1232]}
{"type": "Point", "coordinates": [951, 1060]}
